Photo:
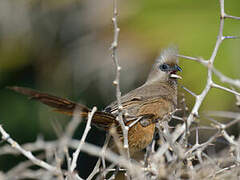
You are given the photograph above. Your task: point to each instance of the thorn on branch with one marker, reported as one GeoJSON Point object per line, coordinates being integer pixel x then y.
{"type": "Point", "coordinates": [115, 83]}
{"type": "Point", "coordinates": [231, 37]}
{"type": "Point", "coordinates": [222, 16]}
{"type": "Point", "coordinates": [119, 68]}
{"type": "Point", "coordinates": [231, 17]}
{"type": "Point", "coordinates": [210, 65]}
{"type": "Point", "coordinates": [189, 91]}
{"type": "Point", "coordinates": [195, 114]}
{"type": "Point", "coordinates": [113, 46]}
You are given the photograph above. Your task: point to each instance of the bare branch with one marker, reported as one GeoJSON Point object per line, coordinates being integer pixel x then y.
{"type": "Point", "coordinates": [117, 79]}
{"type": "Point", "coordinates": [82, 141]}
{"type": "Point", "coordinates": [225, 89]}
{"type": "Point", "coordinates": [28, 154]}
{"type": "Point", "coordinates": [199, 98]}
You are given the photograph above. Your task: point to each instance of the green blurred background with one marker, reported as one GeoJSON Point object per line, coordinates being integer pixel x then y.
{"type": "Point", "coordinates": [62, 47]}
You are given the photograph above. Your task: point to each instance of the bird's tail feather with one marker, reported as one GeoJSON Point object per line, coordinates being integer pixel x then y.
{"type": "Point", "coordinates": [100, 119]}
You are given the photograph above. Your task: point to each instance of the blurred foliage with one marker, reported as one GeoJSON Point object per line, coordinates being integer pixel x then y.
{"type": "Point", "coordinates": [62, 47]}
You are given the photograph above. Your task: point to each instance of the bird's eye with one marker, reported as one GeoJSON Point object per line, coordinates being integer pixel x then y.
{"type": "Point", "coordinates": [164, 67]}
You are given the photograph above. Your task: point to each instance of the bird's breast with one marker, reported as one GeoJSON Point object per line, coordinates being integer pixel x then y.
{"type": "Point", "coordinates": [140, 137]}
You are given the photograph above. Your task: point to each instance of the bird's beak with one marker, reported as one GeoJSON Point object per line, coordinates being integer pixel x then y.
{"type": "Point", "coordinates": [176, 68]}
{"type": "Point", "coordinates": [175, 76]}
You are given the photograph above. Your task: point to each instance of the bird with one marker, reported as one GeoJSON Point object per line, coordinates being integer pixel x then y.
{"type": "Point", "coordinates": [142, 107]}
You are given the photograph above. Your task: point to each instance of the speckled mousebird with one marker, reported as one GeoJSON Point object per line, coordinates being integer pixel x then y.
{"type": "Point", "coordinates": [145, 105]}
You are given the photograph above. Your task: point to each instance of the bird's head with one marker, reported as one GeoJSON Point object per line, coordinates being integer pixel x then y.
{"type": "Point", "coordinates": [166, 67]}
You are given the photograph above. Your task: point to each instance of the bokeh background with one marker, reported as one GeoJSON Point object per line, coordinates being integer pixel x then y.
{"type": "Point", "coordinates": [62, 47]}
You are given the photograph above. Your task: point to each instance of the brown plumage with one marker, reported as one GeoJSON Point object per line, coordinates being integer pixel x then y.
{"type": "Point", "coordinates": [145, 105]}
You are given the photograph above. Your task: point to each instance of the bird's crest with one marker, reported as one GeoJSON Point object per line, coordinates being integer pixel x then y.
{"type": "Point", "coordinates": [169, 55]}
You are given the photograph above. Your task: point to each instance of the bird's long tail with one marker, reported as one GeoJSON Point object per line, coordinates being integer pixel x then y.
{"type": "Point", "coordinates": [100, 119]}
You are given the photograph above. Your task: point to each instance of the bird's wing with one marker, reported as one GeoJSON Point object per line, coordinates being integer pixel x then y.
{"type": "Point", "coordinates": [133, 100]}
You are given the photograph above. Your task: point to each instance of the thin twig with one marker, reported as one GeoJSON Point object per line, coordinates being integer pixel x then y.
{"type": "Point", "coordinates": [28, 154]}
{"type": "Point", "coordinates": [199, 98]}
{"type": "Point", "coordinates": [225, 89]}
{"type": "Point", "coordinates": [116, 82]}
{"type": "Point", "coordinates": [82, 141]}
